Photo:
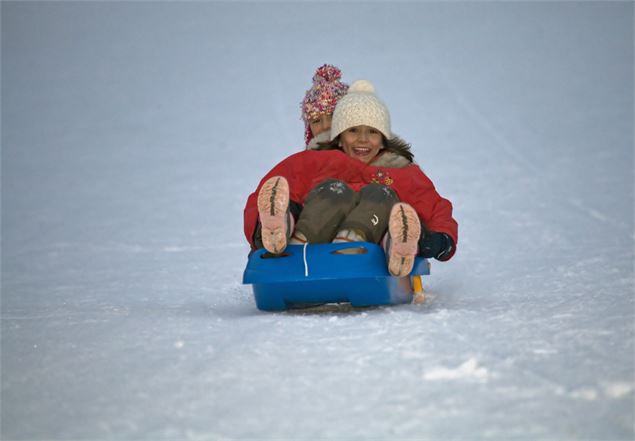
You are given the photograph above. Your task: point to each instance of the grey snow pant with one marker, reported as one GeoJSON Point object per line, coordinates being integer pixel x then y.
{"type": "Point", "coordinates": [333, 206]}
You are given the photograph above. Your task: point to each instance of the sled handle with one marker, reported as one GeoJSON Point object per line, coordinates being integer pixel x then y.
{"type": "Point", "coordinates": [418, 294]}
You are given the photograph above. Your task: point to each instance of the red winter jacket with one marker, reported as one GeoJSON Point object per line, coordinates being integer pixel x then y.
{"type": "Point", "coordinates": [305, 170]}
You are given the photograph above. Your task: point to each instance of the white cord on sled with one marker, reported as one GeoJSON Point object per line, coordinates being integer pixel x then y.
{"type": "Point", "coordinates": [306, 265]}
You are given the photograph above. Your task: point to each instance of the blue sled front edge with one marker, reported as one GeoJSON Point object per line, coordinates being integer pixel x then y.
{"type": "Point", "coordinates": [322, 274]}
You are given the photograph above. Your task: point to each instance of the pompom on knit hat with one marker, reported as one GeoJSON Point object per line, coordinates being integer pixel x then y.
{"type": "Point", "coordinates": [361, 107]}
{"type": "Point", "coordinates": [321, 98]}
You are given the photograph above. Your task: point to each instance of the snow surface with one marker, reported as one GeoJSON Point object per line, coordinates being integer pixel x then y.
{"type": "Point", "coordinates": [133, 133]}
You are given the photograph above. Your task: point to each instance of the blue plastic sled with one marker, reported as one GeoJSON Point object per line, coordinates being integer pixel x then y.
{"type": "Point", "coordinates": [319, 274]}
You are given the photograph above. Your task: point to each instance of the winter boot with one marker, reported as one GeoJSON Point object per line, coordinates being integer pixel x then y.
{"type": "Point", "coordinates": [273, 209]}
{"type": "Point", "coordinates": [404, 229]}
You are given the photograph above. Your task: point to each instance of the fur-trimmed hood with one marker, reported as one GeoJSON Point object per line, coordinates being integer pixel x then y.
{"type": "Point", "coordinates": [391, 160]}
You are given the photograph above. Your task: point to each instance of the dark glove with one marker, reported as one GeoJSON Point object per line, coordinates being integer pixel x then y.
{"type": "Point", "coordinates": [435, 245]}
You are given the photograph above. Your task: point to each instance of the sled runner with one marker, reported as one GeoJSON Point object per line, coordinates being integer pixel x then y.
{"type": "Point", "coordinates": [306, 275]}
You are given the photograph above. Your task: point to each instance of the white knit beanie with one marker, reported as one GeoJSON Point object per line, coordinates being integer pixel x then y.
{"type": "Point", "coordinates": [360, 107]}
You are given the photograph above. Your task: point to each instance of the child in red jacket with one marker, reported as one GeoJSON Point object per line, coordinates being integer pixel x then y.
{"type": "Point", "coordinates": [363, 186]}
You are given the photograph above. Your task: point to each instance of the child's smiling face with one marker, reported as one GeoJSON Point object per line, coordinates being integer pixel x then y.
{"type": "Point", "coordinates": [362, 142]}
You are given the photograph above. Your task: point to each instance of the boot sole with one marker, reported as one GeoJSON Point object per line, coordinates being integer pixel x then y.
{"type": "Point", "coordinates": [404, 228]}
{"type": "Point", "coordinates": [273, 203]}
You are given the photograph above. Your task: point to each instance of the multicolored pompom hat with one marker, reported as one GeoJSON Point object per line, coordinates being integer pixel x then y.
{"type": "Point", "coordinates": [322, 97]}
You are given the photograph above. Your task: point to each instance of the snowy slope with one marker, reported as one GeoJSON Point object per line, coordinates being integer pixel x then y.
{"type": "Point", "coordinates": [133, 132]}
